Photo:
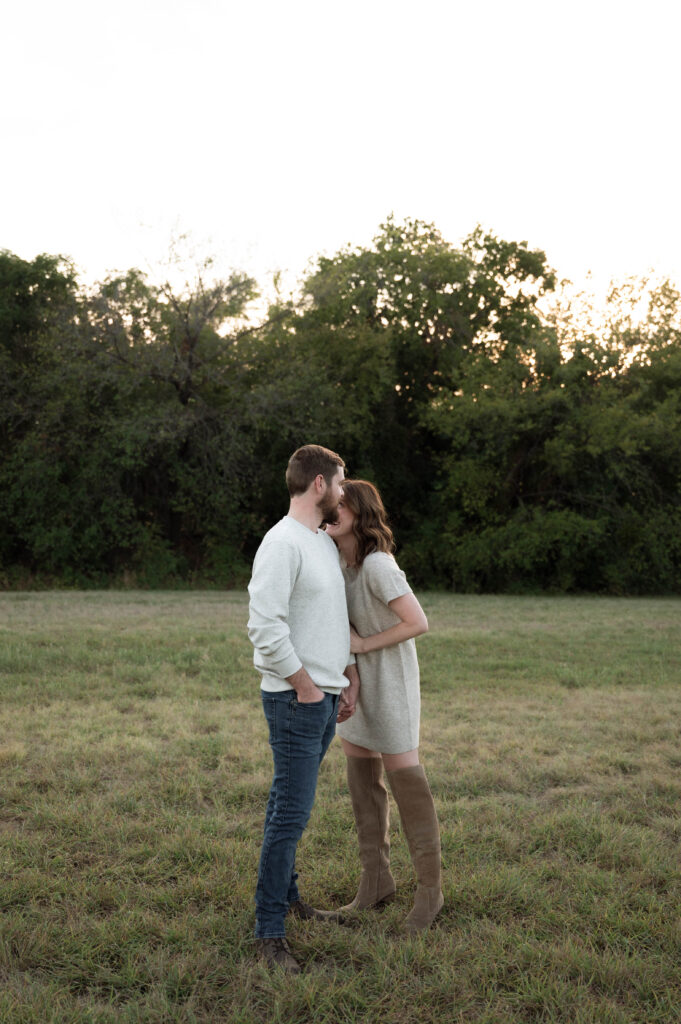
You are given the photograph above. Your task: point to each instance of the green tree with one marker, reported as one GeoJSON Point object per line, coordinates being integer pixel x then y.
{"type": "Point", "coordinates": [433, 309]}
{"type": "Point", "coordinates": [175, 355]}
{"type": "Point", "coordinates": [37, 302]}
{"type": "Point", "coordinates": [38, 308]}
{"type": "Point", "coordinates": [562, 466]}
{"type": "Point", "coordinates": [133, 459]}
{"type": "Point", "coordinates": [145, 427]}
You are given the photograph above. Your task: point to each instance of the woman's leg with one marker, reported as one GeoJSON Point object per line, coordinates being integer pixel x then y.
{"type": "Point", "coordinates": [414, 799]}
{"type": "Point", "coordinates": [391, 762]}
{"type": "Point", "coordinates": [354, 750]}
{"type": "Point", "coordinates": [371, 808]}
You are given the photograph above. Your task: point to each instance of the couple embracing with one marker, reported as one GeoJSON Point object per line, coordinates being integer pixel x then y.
{"type": "Point", "coordinates": [332, 621]}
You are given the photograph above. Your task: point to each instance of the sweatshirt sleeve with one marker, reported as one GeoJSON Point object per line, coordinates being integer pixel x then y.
{"type": "Point", "coordinates": [275, 571]}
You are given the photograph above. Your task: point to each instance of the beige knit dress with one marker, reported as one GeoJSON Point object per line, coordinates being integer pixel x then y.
{"type": "Point", "coordinates": [388, 709]}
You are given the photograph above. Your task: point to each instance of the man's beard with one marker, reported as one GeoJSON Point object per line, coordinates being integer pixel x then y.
{"type": "Point", "coordinates": [329, 511]}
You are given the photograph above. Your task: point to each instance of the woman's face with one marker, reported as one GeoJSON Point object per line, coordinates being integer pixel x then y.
{"type": "Point", "coordinates": [343, 527]}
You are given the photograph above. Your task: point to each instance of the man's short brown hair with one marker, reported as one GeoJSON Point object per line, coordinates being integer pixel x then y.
{"type": "Point", "coordinates": [307, 463]}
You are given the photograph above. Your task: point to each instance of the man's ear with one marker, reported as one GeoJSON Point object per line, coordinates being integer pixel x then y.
{"type": "Point", "coordinates": [319, 482]}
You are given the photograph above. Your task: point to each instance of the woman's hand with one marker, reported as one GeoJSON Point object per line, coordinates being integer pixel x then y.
{"type": "Point", "coordinates": [356, 642]}
{"type": "Point", "coordinates": [347, 704]}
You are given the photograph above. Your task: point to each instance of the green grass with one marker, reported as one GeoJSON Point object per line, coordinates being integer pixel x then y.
{"type": "Point", "coordinates": [134, 772]}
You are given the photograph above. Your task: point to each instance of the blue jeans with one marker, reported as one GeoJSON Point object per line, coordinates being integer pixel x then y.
{"type": "Point", "coordinates": [300, 735]}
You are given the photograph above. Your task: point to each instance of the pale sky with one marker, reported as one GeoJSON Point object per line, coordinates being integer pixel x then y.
{"type": "Point", "coordinates": [272, 132]}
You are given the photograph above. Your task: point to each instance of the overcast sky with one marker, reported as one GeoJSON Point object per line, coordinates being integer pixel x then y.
{"type": "Point", "coordinates": [275, 131]}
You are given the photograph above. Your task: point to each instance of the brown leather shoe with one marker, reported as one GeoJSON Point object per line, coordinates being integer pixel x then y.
{"type": "Point", "coordinates": [276, 953]}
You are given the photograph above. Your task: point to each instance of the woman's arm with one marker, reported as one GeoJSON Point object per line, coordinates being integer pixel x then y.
{"type": "Point", "coordinates": [413, 623]}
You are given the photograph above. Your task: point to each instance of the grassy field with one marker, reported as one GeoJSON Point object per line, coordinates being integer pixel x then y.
{"type": "Point", "coordinates": [134, 772]}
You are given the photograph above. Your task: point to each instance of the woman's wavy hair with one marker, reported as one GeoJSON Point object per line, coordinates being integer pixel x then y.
{"type": "Point", "coordinates": [370, 526]}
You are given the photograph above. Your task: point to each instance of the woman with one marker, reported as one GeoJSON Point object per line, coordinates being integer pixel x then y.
{"type": "Point", "coordinates": [385, 617]}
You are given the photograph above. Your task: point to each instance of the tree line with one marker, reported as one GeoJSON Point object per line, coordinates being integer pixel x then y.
{"type": "Point", "coordinates": [519, 446]}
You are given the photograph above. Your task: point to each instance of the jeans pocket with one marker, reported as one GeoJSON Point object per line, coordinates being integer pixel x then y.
{"type": "Point", "coordinates": [278, 707]}
{"type": "Point", "coordinates": [312, 703]}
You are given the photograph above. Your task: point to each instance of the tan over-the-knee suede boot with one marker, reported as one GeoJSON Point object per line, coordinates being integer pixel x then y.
{"type": "Point", "coordinates": [371, 807]}
{"type": "Point", "coordinates": [419, 821]}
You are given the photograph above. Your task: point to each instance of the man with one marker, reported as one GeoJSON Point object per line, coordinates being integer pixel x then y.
{"type": "Point", "coordinates": [298, 625]}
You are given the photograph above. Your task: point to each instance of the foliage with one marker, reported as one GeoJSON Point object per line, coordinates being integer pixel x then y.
{"type": "Point", "coordinates": [522, 440]}
{"type": "Point", "coordinates": [130, 459]}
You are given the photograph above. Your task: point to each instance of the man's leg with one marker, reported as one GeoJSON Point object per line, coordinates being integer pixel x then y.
{"type": "Point", "coordinates": [271, 804]}
{"type": "Point", "coordinates": [329, 733]}
{"type": "Point", "coordinates": [299, 736]}
{"type": "Point", "coordinates": [295, 904]}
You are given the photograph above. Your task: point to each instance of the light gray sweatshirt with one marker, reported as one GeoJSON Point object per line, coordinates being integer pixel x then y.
{"type": "Point", "coordinates": [298, 613]}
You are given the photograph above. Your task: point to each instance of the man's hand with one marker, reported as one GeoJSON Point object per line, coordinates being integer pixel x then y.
{"type": "Point", "coordinates": [345, 710]}
{"type": "Point", "coordinates": [348, 697]}
{"type": "Point", "coordinates": [306, 689]}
